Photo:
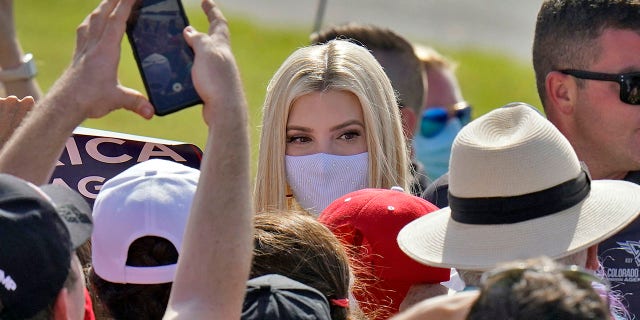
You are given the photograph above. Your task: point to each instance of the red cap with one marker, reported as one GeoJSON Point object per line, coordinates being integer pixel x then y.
{"type": "Point", "coordinates": [88, 306]}
{"type": "Point", "coordinates": [368, 222]}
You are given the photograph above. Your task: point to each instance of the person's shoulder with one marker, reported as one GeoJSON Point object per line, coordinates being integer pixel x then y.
{"type": "Point", "coordinates": [437, 191]}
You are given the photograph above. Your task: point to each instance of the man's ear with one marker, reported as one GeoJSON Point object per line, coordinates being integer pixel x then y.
{"type": "Point", "coordinates": [409, 122]}
{"type": "Point", "coordinates": [562, 91]}
{"type": "Point", "coordinates": [60, 311]}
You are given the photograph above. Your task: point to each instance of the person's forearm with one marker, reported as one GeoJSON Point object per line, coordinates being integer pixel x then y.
{"type": "Point", "coordinates": [214, 264]}
{"type": "Point", "coordinates": [10, 58]}
{"type": "Point", "coordinates": [23, 88]}
{"type": "Point", "coordinates": [89, 88]}
{"type": "Point", "coordinates": [215, 271]}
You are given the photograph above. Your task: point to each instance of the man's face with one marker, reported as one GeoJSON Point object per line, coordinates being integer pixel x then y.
{"type": "Point", "coordinates": [606, 131]}
{"type": "Point", "coordinates": [441, 90]}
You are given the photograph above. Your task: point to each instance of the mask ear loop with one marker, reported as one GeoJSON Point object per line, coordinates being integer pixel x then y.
{"type": "Point", "coordinates": [291, 199]}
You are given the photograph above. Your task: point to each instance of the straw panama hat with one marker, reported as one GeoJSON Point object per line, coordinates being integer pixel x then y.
{"type": "Point", "coordinates": [517, 190]}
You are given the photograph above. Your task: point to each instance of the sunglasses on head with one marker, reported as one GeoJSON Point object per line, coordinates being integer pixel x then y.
{"type": "Point", "coordinates": [629, 82]}
{"type": "Point", "coordinates": [582, 278]}
{"type": "Point", "coordinates": [435, 119]}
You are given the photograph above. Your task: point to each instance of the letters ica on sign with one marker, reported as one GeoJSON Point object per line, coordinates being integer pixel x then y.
{"type": "Point", "coordinates": [91, 157]}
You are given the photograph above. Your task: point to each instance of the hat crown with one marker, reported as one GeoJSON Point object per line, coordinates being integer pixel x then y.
{"type": "Point", "coordinates": [510, 151]}
{"type": "Point", "coordinates": [151, 198]}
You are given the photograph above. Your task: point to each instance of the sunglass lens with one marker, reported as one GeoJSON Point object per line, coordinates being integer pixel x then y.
{"type": "Point", "coordinates": [630, 89]}
{"type": "Point", "coordinates": [433, 121]}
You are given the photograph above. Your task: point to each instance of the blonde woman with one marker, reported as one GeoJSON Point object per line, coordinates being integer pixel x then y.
{"type": "Point", "coordinates": [330, 126]}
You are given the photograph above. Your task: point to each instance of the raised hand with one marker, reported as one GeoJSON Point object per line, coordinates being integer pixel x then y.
{"type": "Point", "coordinates": [215, 74]}
{"type": "Point", "coordinates": [211, 283]}
{"type": "Point", "coordinates": [11, 55]}
{"type": "Point", "coordinates": [91, 81]}
{"type": "Point", "coordinates": [88, 88]}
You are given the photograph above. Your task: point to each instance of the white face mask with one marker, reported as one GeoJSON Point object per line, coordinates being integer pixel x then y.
{"type": "Point", "coordinates": [434, 152]}
{"type": "Point", "coordinates": [319, 179]}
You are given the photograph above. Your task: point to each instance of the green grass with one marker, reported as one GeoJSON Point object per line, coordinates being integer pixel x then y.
{"type": "Point", "coordinates": [47, 28]}
{"type": "Point", "coordinates": [491, 80]}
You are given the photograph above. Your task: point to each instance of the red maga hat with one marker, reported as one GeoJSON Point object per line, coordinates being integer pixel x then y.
{"type": "Point", "coordinates": [367, 221]}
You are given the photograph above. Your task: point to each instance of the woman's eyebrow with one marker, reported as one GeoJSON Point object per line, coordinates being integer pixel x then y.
{"type": "Point", "coordinates": [299, 128]}
{"type": "Point", "coordinates": [346, 124]}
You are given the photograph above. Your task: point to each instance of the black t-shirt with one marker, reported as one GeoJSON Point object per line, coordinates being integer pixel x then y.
{"type": "Point", "coordinates": [437, 191]}
{"type": "Point", "coordinates": [620, 258]}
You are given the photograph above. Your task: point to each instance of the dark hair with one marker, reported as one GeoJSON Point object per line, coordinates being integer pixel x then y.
{"type": "Point", "coordinates": [44, 314]}
{"type": "Point", "coordinates": [138, 301]}
{"type": "Point", "coordinates": [538, 289]}
{"type": "Point", "coordinates": [84, 254]}
{"type": "Point", "coordinates": [566, 33]}
{"type": "Point", "coordinates": [295, 245]}
{"type": "Point", "coordinates": [404, 71]}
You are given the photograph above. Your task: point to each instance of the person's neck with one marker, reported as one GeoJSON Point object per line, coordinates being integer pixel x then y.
{"type": "Point", "coordinates": [601, 170]}
{"type": "Point", "coordinates": [612, 176]}
{"type": "Point", "coordinates": [600, 166]}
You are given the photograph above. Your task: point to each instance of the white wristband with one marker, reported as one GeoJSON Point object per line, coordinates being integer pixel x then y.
{"type": "Point", "coordinates": [26, 70]}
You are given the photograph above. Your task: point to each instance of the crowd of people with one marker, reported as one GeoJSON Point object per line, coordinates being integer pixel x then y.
{"type": "Point", "coordinates": [384, 198]}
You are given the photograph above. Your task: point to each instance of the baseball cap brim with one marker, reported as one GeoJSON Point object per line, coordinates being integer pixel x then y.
{"type": "Point", "coordinates": [437, 240]}
{"type": "Point", "coordinates": [74, 211]}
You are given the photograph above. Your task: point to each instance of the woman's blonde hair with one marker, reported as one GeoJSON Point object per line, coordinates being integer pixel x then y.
{"type": "Point", "coordinates": [342, 66]}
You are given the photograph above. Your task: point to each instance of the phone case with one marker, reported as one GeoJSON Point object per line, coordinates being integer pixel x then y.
{"type": "Point", "coordinates": [164, 59]}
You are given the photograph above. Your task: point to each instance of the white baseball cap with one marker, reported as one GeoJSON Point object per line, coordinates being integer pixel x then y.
{"type": "Point", "coordinates": [152, 198]}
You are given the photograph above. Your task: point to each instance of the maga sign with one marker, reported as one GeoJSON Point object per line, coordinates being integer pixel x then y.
{"type": "Point", "coordinates": [91, 157]}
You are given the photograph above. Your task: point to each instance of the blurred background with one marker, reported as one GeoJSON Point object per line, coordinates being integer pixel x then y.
{"type": "Point", "coordinates": [499, 25]}
{"type": "Point", "coordinates": [489, 39]}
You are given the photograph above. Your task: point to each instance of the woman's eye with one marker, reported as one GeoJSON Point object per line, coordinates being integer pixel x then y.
{"type": "Point", "coordinates": [350, 135]}
{"type": "Point", "coordinates": [298, 139]}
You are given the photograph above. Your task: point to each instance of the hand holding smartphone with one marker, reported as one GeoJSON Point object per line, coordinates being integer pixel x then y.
{"type": "Point", "coordinates": [164, 59]}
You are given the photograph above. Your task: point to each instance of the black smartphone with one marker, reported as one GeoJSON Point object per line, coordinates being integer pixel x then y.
{"type": "Point", "coordinates": [164, 59]}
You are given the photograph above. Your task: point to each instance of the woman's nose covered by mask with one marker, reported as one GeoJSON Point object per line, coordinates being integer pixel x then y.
{"type": "Point", "coordinates": [319, 179]}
